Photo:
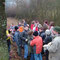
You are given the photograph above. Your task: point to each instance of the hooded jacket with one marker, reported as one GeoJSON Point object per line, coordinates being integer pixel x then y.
{"type": "Point", "coordinates": [38, 43]}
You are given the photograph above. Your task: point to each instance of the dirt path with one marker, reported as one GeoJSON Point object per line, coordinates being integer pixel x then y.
{"type": "Point", "coordinates": [14, 55]}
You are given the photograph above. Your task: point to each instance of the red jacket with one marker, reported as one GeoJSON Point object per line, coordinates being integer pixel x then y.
{"type": "Point", "coordinates": [37, 41]}
{"type": "Point", "coordinates": [36, 28]}
{"type": "Point", "coordinates": [32, 25]}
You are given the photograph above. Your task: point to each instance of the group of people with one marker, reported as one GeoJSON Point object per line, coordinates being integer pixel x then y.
{"type": "Point", "coordinates": [36, 40]}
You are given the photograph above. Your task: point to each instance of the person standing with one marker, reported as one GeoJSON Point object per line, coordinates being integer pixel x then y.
{"type": "Point", "coordinates": [25, 36]}
{"type": "Point", "coordinates": [8, 33]}
{"type": "Point", "coordinates": [54, 46]}
{"type": "Point", "coordinates": [16, 39]}
{"type": "Point", "coordinates": [37, 44]}
{"type": "Point", "coordinates": [47, 39]}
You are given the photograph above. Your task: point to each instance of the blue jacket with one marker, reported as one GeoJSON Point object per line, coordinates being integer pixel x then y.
{"type": "Point", "coordinates": [16, 37]}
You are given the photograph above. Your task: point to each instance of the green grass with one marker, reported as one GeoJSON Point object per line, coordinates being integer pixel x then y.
{"type": "Point", "coordinates": [3, 51]}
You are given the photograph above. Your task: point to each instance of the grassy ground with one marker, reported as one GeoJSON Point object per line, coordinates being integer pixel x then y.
{"type": "Point", "coordinates": [3, 51]}
{"type": "Point", "coordinates": [13, 53]}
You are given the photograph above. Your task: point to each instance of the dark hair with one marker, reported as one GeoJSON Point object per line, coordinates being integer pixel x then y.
{"type": "Point", "coordinates": [46, 21]}
{"type": "Point", "coordinates": [9, 31]}
{"type": "Point", "coordinates": [30, 32]}
{"type": "Point", "coordinates": [16, 27]}
{"type": "Point", "coordinates": [35, 33]}
{"type": "Point", "coordinates": [51, 23]}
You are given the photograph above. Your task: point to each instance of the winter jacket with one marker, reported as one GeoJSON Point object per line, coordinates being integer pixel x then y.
{"type": "Point", "coordinates": [25, 36]}
{"type": "Point", "coordinates": [42, 34]}
{"type": "Point", "coordinates": [37, 43]}
{"type": "Point", "coordinates": [48, 39]}
{"type": "Point", "coordinates": [18, 38]}
{"type": "Point", "coordinates": [54, 49]}
{"type": "Point", "coordinates": [32, 25]}
{"type": "Point", "coordinates": [30, 48]}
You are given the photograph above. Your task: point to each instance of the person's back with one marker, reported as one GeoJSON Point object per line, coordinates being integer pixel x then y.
{"type": "Point", "coordinates": [16, 38]}
{"type": "Point", "coordinates": [48, 39]}
{"type": "Point", "coordinates": [37, 44]}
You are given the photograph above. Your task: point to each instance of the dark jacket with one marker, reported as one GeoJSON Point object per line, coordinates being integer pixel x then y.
{"type": "Point", "coordinates": [48, 39]}
{"type": "Point", "coordinates": [18, 37]}
{"type": "Point", "coordinates": [30, 48]}
{"type": "Point", "coordinates": [25, 36]}
{"type": "Point", "coordinates": [42, 34]}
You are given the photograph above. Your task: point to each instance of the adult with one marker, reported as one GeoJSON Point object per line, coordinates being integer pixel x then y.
{"type": "Point", "coordinates": [54, 46]}
{"type": "Point", "coordinates": [47, 39]}
{"type": "Point", "coordinates": [25, 35]}
{"type": "Point", "coordinates": [37, 46]}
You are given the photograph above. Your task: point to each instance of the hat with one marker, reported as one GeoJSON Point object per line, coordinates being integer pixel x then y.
{"type": "Point", "coordinates": [47, 32]}
{"type": "Point", "coordinates": [57, 29]}
{"type": "Point", "coordinates": [40, 26]}
{"type": "Point", "coordinates": [21, 29]}
{"type": "Point", "coordinates": [35, 33]}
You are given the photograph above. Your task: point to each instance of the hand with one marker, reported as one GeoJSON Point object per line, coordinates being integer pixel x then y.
{"type": "Point", "coordinates": [45, 47]}
{"type": "Point", "coordinates": [26, 40]}
{"type": "Point", "coordinates": [49, 43]}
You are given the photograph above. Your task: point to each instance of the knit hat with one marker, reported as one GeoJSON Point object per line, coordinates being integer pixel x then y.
{"type": "Point", "coordinates": [40, 26]}
{"type": "Point", "coordinates": [35, 33]}
{"type": "Point", "coordinates": [21, 29]}
{"type": "Point", "coordinates": [57, 29]}
{"type": "Point", "coordinates": [47, 32]}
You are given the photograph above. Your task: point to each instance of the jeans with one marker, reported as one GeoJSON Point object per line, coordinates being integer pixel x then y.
{"type": "Point", "coordinates": [38, 56]}
{"type": "Point", "coordinates": [19, 50]}
{"type": "Point", "coordinates": [9, 45]}
{"type": "Point", "coordinates": [47, 54]}
{"type": "Point", "coordinates": [32, 56]}
{"type": "Point", "coordinates": [25, 51]}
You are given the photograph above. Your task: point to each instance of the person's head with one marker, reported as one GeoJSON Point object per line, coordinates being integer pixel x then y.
{"type": "Point", "coordinates": [51, 23]}
{"type": "Point", "coordinates": [32, 22]}
{"type": "Point", "coordinates": [12, 24]}
{"type": "Point", "coordinates": [35, 34]}
{"type": "Point", "coordinates": [46, 21]}
{"type": "Point", "coordinates": [16, 28]}
{"type": "Point", "coordinates": [9, 31]}
{"type": "Point", "coordinates": [19, 23]}
{"type": "Point", "coordinates": [23, 20]}
{"type": "Point", "coordinates": [30, 32]}
{"type": "Point", "coordinates": [40, 29]}
{"type": "Point", "coordinates": [21, 29]}
{"type": "Point", "coordinates": [26, 27]}
{"type": "Point", "coordinates": [48, 32]}
{"type": "Point", "coordinates": [56, 30]}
